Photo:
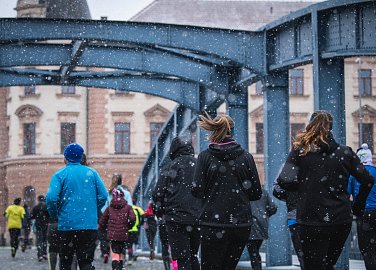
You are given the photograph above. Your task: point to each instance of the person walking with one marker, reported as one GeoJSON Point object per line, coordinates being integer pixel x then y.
{"type": "Point", "coordinates": [261, 210]}
{"type": "Point", "coordinates": [118, 218]}
{"type": "Point", "coordinates": [14, 214]}
{"type": "Point", "coordinates": [26, 228]}
{"type": "Point", "coordinates": [291, 199]}
{"type": "Point", "coordinates": [75, 196]}
{"type": "Point", "coordinates": [226, 179]}
{"type": "Point", "coordinates": [150, 226]}
{"type": "Point", "coordinates": [318, 168]}
{"type": "Point", "coordinates": [179, 209]}
{"type": "Point", "coordinates": [116, 183]}
{"type": "Point", "coordinates": [40, 214]}
{"type": "Point", "coordinates": [366, 224]}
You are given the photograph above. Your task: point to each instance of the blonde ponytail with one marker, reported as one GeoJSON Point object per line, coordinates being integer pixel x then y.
{"type": "Point", "coordinates": [220, 127]}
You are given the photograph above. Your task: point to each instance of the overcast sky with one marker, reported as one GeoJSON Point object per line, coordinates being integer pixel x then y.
{"type": "Point", "coordinates": [114, 9]}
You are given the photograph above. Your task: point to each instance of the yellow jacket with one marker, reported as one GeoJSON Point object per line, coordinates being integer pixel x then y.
{"type": "Point", "coordinates": [138, 212]}
{"type": "Point", "coordinates": [15, 214]}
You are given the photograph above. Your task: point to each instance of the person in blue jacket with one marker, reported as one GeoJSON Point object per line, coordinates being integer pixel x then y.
{"type": "Point", "coordinates": [366, 225]}
{"type": "Point", "coordinates": [75, 196]}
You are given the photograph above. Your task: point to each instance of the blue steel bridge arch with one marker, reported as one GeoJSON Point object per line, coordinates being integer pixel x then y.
{"type": "Point", "coordinates": [202, 67]}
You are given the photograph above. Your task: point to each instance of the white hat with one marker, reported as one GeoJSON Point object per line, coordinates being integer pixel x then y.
{"type": "Point", "coordinates": [365, 154]}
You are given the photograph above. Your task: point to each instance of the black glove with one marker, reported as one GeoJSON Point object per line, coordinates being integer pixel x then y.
{"type": "Point", "coordinates": [358, 209]}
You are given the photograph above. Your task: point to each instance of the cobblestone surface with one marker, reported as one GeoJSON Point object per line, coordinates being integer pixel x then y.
{"type": "Point", "coordinates": [28, 261]}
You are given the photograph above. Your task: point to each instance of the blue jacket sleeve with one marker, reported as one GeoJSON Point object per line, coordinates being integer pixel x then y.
{"type": "Point", "coordinates": [101, 192]}
{"type": "Point", "coordinates": [53, 197]}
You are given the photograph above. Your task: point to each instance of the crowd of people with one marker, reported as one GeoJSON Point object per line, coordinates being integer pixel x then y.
{"type": "Point", "coordinates": [213, 203]}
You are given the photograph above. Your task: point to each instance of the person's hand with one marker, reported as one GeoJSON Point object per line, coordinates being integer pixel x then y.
{"type": "Point", "coordinates": [358, 210]}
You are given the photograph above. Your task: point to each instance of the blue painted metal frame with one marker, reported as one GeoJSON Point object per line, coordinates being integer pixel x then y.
{"type": "Point", "coordinates": [238, 46]}
{"type": "Point", "coordinates": [200, 68]}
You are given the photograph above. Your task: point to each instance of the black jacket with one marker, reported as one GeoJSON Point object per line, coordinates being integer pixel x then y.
{"type": "Point", "coordinates": [321, 179]}
{"type": "Point", "coordinates": [172, 195]}
{"type": "Point", "coordinates": [290, 197]}
{"type": "Point", "coordinates": [40, 214]}
{"type": "Point", "coordinates": [226, 178]}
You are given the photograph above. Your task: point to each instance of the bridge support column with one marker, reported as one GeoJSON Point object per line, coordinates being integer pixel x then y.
{"type": "Point", "coordinates": [238, 111]}
{"type": "Point", "coordinates": [329, 95]}
{"type": "Point", "coordinates": [276, 149]}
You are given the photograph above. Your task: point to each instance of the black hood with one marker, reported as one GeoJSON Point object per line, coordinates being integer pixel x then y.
{"type": "Point", "coordinates": [227, 150]}
{"type": "Point", "coordinates": [180, 146]}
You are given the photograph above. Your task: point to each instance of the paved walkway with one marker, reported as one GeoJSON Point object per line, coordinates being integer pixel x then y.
{"type": "Point", "coordinates": [28, 261]}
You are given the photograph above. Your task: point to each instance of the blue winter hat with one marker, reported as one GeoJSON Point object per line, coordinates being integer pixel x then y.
{"type": "Point", "coordinates": [73, 152]}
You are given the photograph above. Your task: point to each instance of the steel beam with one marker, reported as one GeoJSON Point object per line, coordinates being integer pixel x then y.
{"type": "Point", "coordinates": [238, 46]}
{"type": "Point", "coordinates": [276, 148]}
{"type": "Point", "coordinates": [238, 110]}
{"type": "Point", "coordinates": [117, 58]}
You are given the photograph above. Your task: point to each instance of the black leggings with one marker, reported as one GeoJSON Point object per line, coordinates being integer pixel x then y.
{"type": "Point", "coordinates": [164, 241]}
{"type": "Point", "coordinates": [322, 245]}
{"type": "Point", "coordinates": [14, 235]}
{"type": "Point", "coordinates": [221, 248]}
{"type": "Point", "coordinates": [253, 247]}
{"type": "Point", "coordinates": [297, 243]}
{"type": "Point", "coordinates": [366, 228]}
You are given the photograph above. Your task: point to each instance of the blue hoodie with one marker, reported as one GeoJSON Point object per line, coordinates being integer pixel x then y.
{"type": "Point", "coordinates": [353, 188]}
{"type": "Point", "coordinates": [75, 196]}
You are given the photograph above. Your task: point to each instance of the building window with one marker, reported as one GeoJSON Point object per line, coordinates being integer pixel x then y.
{"type": "Point", "coordinates": [259, 138]}
{"type": "Point", "coordinates": [68, 135]}
{"type": "Point", "coordinates": [367, 135]}
{"type": "Point", "coordinates": [365, 82]}
{"type": "Point", "coordinates": [122, 138]}
{"type": "Point", "coordinates": [29, 90]}
{"type": "Point", "coordinates": [68, 89]}
{"type": "Point", "coordinates": [259, 88]}
{"type": "Point", "coordinates": [29, 138]}
{"type": "Point", "coordinates": [155, 128]}
{"type": "Point", "coordinates": [296, 82]}
{"type": "Point", "coordinates": [295, 128]}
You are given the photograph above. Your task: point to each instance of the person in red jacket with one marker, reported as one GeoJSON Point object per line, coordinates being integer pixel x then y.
{"type": "Point", "coordinates": [150, 227]}
{"type": "Point", "coordinates": [117, 219]}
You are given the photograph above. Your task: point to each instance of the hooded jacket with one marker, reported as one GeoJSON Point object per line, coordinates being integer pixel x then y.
{"type": "Point", "coordinates": [172, 196]}
{"type": "Point", "coordinates": [75, 196]}
{"type": "Point", "coordinates": [118, 218]}
{"type": "Point", "coordinates": [226, 179]}
{"type": "Point", "coordinates": [321, 179]}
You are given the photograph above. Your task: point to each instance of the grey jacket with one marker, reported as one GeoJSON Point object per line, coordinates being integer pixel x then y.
{"type": "Point", "coordinates": [261, 209]}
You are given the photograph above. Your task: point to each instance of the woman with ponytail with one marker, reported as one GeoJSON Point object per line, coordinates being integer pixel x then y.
{"type": "Point", "coordinates": [226, 179]}
{"type": "Point", "coordinates": [318, 168]}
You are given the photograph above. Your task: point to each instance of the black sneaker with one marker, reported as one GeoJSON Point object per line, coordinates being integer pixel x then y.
{"type": "Point", "coordinates": [13, 250]}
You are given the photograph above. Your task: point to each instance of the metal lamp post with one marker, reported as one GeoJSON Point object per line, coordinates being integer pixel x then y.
{"type": "Point", "coordinates": [359, 61]}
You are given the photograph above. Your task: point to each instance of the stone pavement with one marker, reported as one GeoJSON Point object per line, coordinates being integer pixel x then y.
{"type": "Point", "coordinates": [28, 261]}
